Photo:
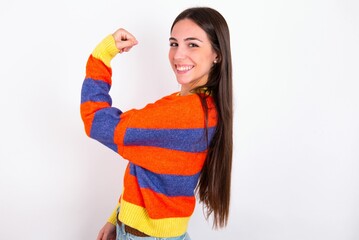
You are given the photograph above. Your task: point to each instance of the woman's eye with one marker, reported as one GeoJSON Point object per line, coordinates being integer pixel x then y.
{"type": "Point", "coordinates": [173, 44]}
{"type": "Point", "coordinates": [192, 45]}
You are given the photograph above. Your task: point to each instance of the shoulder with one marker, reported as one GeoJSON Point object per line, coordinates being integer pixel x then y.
{"type": "Point", "coordinates": [171, 111]}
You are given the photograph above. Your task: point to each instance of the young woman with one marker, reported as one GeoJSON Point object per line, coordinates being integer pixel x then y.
{"type": "Point", "coordinates": [177, 146]}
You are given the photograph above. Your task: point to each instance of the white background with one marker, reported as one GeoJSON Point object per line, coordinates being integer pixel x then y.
{"type": "Point", "coordinates": [296, 158]}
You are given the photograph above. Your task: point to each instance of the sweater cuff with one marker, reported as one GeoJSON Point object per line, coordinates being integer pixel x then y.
{"type": "Point", "coordinates": [113, 218]}
{"type": "Point", "coordinates": [106, 50]}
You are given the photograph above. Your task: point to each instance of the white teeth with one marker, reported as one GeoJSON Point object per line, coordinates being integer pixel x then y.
{"type": "Point", "coordinates": [184, 68]}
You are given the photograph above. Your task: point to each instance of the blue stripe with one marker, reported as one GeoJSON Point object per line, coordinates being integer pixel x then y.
{"type": "Point", "coordinates": [95, 91]}
{"type": "Point", "coordinates": [104, 124]}
{"type": "Point", "coordinates": [169, 185]}
{"type": "Point", "coordinates": [188, 140]}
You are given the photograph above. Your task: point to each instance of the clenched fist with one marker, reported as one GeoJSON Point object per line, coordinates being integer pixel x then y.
{"type": "Point", "coordinates": [124, 40]}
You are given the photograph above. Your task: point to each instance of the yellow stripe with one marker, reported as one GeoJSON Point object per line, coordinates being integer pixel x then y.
{"type": "Point", "coordinates": [137, 217]}
{"type": "Point", "coordinates": [113, 218]}
{"type": "Point", "coordinates": [106, 50]}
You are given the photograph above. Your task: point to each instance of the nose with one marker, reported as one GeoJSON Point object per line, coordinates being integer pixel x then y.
{"type": "Point", "coordinates": [179, 53]}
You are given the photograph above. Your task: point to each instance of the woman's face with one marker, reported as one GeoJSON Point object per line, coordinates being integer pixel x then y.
{"type": "Point", "coordinates": [191, 55]}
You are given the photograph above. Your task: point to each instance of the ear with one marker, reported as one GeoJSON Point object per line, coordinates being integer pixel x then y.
{"type": "Point", "coordinates": [217, 59]}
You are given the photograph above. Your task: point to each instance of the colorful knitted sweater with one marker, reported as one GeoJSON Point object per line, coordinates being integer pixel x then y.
{"type": "Point", "coordinates": [165, 144]}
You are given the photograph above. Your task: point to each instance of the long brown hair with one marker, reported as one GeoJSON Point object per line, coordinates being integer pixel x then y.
{"type": "Point", "coordinates": [214, 184]}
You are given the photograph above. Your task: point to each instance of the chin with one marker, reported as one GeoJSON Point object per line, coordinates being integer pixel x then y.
{"type": "Point", "coordinates": [183, 81]}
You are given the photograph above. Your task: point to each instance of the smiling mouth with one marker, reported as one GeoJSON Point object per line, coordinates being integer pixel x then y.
{"type": "Point", "coordinates": [184, 68]}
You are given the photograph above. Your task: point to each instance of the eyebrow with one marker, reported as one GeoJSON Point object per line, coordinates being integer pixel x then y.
{"type": "Point", "coordinates": [186, 39]}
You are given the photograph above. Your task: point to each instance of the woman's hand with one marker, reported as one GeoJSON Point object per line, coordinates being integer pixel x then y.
{"type": "Point", "coordinates": [107, 232]}
{"type": "Point", "coordinates": [124, 40]}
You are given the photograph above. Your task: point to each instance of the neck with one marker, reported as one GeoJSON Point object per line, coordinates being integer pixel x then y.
{"type": "Point", "coordinates": [185, 91]}
{"type": "Point", "coordinates": [191, 91]}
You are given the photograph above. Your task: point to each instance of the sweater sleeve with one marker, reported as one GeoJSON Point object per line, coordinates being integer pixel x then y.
{"type": "Point", "coordinates": [100, 119]}
{"type": "Point", "coordinates": [167, 136]}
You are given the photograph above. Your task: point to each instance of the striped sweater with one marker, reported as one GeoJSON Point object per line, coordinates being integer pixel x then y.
{"type": "Point", "coordinates": [165, 144]}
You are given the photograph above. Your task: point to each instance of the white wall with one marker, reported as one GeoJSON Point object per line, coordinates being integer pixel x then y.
{"type": "Point", "coordinates": [296, 159]}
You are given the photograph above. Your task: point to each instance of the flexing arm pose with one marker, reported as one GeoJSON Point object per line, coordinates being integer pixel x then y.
{"type": "Point", "coordinates": [177, 146]}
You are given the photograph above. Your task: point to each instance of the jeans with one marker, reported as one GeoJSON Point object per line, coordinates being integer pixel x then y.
{"type": "Point", "coordinates": [123, 235]}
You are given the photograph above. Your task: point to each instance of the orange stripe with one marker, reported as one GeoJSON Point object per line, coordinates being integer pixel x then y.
{"type": "Point", "coordinates": [165, 114]}
{"type": "Point", "coordinates": [165, 161]}
{"type": "Point", "coordinates": [97, 70]}
{"type": "Point", "coordinates": [161, 206]}
{"type": "Point", "coordinates": [132, 191]}
{"type": "Point", "coordinates": [88, 110]}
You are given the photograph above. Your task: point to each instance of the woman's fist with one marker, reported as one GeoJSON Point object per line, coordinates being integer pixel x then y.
{"type": "Point", "coordinates": [124, 40]}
